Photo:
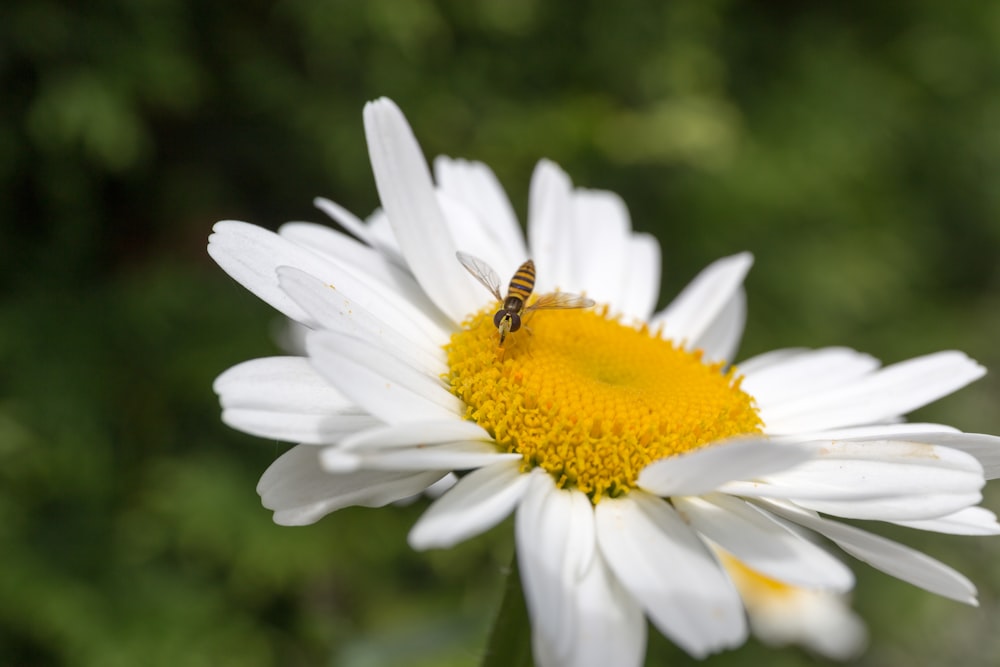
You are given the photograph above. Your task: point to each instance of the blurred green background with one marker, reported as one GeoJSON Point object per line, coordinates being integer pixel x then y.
{"type": "Point", "coordinates": [854, 147]}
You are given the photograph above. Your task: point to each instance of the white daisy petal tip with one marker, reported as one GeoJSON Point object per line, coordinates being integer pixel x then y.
{"type": "Point", "coordinates": [300, 491]}
{"type": "Point", "coordinates": [411, 205]}
{"type": "Point", "coordinates": [702, 312]}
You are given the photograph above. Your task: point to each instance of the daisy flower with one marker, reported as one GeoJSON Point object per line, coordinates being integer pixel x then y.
{"type": "Point", "coordinates": [643, 467]}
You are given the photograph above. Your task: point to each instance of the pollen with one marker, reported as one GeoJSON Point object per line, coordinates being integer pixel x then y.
{"type": "Point", "coordinates": [591, 400]}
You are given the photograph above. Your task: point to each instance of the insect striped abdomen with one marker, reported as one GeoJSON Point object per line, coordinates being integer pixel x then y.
{"type": "Point", "coordinates": [523, 282]}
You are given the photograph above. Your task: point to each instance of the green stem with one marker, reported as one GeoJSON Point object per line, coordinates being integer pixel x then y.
{"type": "Point", "coordinates": [509, 644]}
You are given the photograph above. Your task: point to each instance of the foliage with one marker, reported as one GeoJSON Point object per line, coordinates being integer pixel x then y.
{"type": "Point", "coordinates": [854, 148]}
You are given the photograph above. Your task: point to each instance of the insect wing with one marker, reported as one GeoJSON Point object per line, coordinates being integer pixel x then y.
{"type": "Point", "coordinates": [561, 300]}
{"type": "Point", "coordinates": [482, 272]}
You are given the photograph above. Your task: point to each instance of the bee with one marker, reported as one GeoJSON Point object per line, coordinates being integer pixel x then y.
{"type": "Point", "coordinates": [508, 318]}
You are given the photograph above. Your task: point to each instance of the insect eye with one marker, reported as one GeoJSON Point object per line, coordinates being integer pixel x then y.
{"type": "Point", "coordinates": [498, 318]}
{"type": "Point", "coordinates": [515, 321]}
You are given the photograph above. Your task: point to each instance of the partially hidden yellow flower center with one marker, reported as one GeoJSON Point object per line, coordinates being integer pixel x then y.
{"type": "Point", "coordinates": [755, 588]}
{"type": "Point", "coordinates": [590, 400]}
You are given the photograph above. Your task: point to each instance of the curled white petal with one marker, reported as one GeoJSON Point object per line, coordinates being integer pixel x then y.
{"type": "Point", "coordinates": [300, 492]}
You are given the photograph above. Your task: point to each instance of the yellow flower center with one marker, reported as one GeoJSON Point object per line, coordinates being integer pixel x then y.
{"type": "Point", "coordinates": [590, 400]}
{"type": "Point", "coordinates": [755, 588]}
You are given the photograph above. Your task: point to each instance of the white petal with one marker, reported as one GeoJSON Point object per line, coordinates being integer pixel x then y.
{"type": "Point", "coordinates": [886, 394]}
{"type": "Point", "coordinates": [382, 302]}
{"type": "Point", "coordinates": [250, 254]}
{"type": "Point", "coordinates": [331, 309]}
{"type": "Point", "coordinates": [664, 565]}
{"type": "Point", "coordinates": [285, 399]}
{"type": "Point", "coordinates": [309, 429]}
{"type": "Point", "coordinates": [475, 184]}
{"type": "Point", "coordinates": [890, 557]}
{"type": "Point", "coordinates": [432, 491]}
{"type": "Point", "coordinates": [790, 374]}
{"type": "Point", "coordinates": [278, 383]}
{"type": "Point", "coordinates": [381, 231]}
{"type": "Point", "coordinates": [902, 431]}
{"type": "Point", "coordinates": [763, 543]}
{"type": "Point", "coordinates": [707, 468]}
{"type": "Point", "coordinates": [555, 547]}
{"type": "Point", "coordinates": [300, 492]}
{"type": "Point", "coordinates": [408, 197]}
{"type": "Point", "coordinates": [446, 456]}
{"type": "Point", "coordinates": [611, 627]}
{"type": "Point", "coordinates": [887, 480]}
{"type": "Point", "coordinates": [904, 508]}
{"type": "Point", "coordinates": [440, 487]}
{"type": "Point", "coordinates": [253, 255]}
{"type": "Point", "coordinates": [986, 448]}
{"type": "Point", "coordinates": [361, 260]}
{"type": "Point", "coordinates": [969, 521]}
{"type": "Point", "coordinates": [479, 501]}
{"type": "Point", "coordinates": [642, 282]}
{"type": "Point", "coordinates": [600, 236]}
{"type": "Point", "coordinates": [473, 236]}
{"type": "Point", "coordinates": [721, 340]}
{"type": "Point", "coordinates": [365, 232]}
{"type": "Point", "coordinates": [693, 312]}
{"type": "Point", "coordinates": [382, 384]}
{"type": "Point", "coordinates": [758, 363]}
{"type": "Point", "coordinates": [550, 214]}
{"type": "Point", "coordinates": [425, 433]}
{"type": "Point", "coordinates": [345, 250]}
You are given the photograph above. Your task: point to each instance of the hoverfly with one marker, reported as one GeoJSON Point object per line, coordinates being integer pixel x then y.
{"type": "Point", "coordinates": [512, 308]}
